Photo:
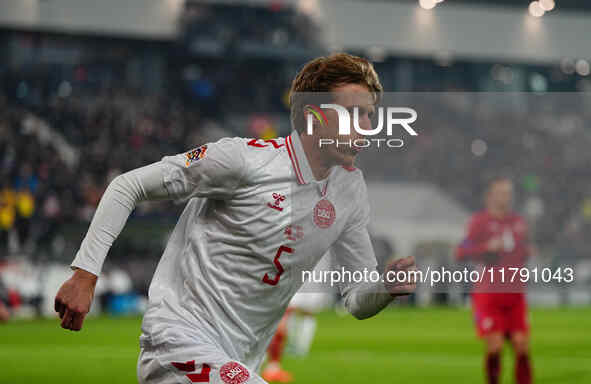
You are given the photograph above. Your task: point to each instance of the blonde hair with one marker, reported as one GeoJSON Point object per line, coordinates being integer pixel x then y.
{"type": "Point", "coordinates": [324, 74]}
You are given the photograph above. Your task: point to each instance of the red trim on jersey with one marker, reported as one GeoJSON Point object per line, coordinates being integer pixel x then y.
{"type": "Point", "coordinates": [324, 189]}
{"type": "Point", "coordinates": [350, 169]}
{"type": "Point", "coordinates": [294, 160]}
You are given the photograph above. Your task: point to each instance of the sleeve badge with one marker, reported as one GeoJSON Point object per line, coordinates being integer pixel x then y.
{"type": "Point", "coordinates": [195, 154]}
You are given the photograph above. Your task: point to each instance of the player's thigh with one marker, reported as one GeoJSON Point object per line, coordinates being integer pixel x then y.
{"type": "Point", "coordinates": [489, 319]}
{"type": "Point", "coordinates": [170, 366]}
{"type": "Point", "coordinates": [518, 326]}
{"type": "Point", "coordinates": [518, 317]}
{"type": "Point", "coordinates": [151, 371]}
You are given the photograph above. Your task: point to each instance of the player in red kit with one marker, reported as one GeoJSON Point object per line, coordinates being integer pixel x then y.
{"type": "Point", "coordinates": [497, 238]}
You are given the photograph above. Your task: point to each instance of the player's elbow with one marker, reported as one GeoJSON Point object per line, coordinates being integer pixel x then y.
{"type": "Point", "coordinates": [359, 312]}
{"type": "Point", "coordinates": [117, 183]}
{"type": "Point", "coordinates": [360, 315]}
{"type": "Point", "coordinates": [127, 189]}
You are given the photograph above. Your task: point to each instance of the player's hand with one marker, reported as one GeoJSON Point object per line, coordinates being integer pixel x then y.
{"type": "Point", "coordinates": [495, 244]}
{"type": "Point", "coordinates": [493, 247]}
{"type": "Point", "coordinates": [73, 299]}
{"type": "Point", "coordinates": [404, 286]}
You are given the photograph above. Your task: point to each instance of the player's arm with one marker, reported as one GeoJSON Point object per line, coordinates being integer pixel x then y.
{"type": "Point", "coordinates": [367, 298]}
{"type": "Point", "coordinates": [476, 246]}
{"type": "Point", "coordinates": [214, 172]}
{"type": "Point", "coordinates": [354, 252]}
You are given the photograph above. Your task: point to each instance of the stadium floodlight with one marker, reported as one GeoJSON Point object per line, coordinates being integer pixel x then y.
{"type": "Point", "coordinates": [427, 4]}
{"type": "Point", "coordinates": [583, 68]}
{"type": "Point", "coordinates": [547, 5]}
{"type": "Point", "coordinates": [479, 147]}
{"type": "Point", "coordinates": [535, 9]}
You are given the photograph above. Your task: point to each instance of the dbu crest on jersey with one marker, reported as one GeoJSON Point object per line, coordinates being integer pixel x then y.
{"type": "Point", "coordinates": [324, 214]}
{"type": "Point", "coordinates": [195, 154]}
{"type": "Point", "coordinates": [234, 373]}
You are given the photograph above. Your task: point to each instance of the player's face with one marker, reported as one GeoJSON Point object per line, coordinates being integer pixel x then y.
{"type": "Point", "coordinates": [349, 96]}
{"type": "Point", "coordinates": [500, 195]}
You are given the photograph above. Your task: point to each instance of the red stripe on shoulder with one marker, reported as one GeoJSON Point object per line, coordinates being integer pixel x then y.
{"type": "Point", "coordinates": [293, 162]}
{"type": "Point", "coordinates": [299, 171]}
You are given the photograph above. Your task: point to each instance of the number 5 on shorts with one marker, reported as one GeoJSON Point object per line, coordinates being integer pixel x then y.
{"type": "Point", "coordinates": [189, 366]}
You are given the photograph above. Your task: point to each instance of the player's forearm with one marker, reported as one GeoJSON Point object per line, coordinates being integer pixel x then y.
{"type": "Point", "coordinates": [367, 299]}
{"type": "Point", "coordinates": [117, 203]}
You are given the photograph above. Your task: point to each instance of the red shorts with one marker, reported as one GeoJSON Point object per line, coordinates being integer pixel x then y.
{"type": "Point", "coordinates": [500, 312]}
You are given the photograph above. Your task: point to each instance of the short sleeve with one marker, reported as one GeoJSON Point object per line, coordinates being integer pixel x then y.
{"type": "Point", "coordinates": [212, 170]}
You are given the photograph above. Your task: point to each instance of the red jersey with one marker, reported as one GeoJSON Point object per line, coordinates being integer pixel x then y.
{"type": "Point", "coordinates": [513, 232]}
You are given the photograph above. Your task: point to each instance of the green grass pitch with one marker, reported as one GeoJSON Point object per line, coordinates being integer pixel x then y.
{"type": "Point", "coordinates": [401, 345]}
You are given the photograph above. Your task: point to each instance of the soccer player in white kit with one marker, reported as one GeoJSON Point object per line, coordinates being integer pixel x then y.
{"type": "Point", "coordinates": [258, 213]}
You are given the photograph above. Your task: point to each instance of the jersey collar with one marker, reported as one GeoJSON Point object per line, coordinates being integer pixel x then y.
{"type": "Point", "coordinates": [298, 158]}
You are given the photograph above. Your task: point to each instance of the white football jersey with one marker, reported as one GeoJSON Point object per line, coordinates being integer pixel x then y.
{"type": "Point", "coordinates": [255, 219]}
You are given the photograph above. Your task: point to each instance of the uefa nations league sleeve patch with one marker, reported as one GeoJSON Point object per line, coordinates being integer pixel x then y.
{"type": "Point", "coordinates": [195, 154]}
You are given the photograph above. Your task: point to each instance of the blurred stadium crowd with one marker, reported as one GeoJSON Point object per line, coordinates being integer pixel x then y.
{"type": "Point", "coordinates": [75, 111]}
